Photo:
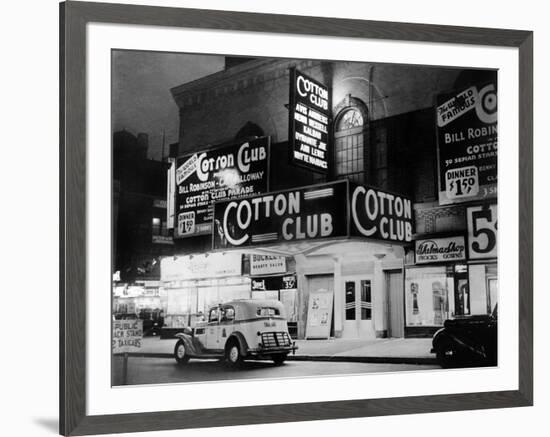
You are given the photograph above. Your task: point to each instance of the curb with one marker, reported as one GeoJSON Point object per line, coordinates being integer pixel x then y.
{"type": "Point", "coordinates": [331, 358]}
{"type": "Point", "coordinates": [358, 359]}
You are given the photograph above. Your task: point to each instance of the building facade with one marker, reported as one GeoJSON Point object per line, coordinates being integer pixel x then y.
{"type": "Point", "coordinates": [382, 133]}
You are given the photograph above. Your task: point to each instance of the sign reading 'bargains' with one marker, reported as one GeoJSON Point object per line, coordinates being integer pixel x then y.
{"type": "Point", "coordinates": [309, 116]}
{"type": "Point", "coordinates": [313, 213]}
{"type": "Point", "coordinates": [467, 143]}
{"type": "Point", "coordinates": [227, 172]}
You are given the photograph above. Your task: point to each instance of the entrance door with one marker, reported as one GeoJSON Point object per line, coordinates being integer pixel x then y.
{"type": "Point", "coordinates": [319, 322]}
{"type": "Point", "coordinates": [394, 293]}
{"type": "Point", "coordinates": [358, 308]}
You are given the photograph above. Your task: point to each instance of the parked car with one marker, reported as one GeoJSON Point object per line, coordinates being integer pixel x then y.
{"type": "Point", "coordinates": [467, 341]}
{"type": "Point", "coordinates": [236, 331]}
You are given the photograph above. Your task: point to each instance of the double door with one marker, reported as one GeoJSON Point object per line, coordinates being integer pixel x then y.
{"type": "Point", "coordinates": [358, 309]}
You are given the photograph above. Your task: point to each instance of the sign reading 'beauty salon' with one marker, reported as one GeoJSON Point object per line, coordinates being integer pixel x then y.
{"type": "Point", "coordinates": [312, 213]}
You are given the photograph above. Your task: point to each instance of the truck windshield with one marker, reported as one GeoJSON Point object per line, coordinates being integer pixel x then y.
{"type": "Point", "coordinates": [268, 311]}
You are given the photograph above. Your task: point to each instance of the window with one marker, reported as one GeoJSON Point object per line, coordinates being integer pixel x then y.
{"type": "Point", "coordinates": [366, 302]}
{"type": "Point", "coordinates": [156, 226]}
{"type": "Point", "coordinates": [267, 312]}
{"type": "Point", "coordinates": [213, 316]}
{"type": "Point", "coordinates": [350, 300]}
{"type": "Point", "coordinates": [429, 295]}
{"type": "Point", "coordinates": [349, 146]}
{"type": "Point", "coordinates": [228, 314]}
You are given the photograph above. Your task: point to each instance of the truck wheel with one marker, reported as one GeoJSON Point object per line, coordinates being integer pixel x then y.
{"type": "Point", "coordinates": [278, 359]}
{"type": "Point", "coordinates": [233, 355]}
{"type": "Point", "coordinates": [180, 353]}
{"type": "Point", "coordinates": [447, 356]}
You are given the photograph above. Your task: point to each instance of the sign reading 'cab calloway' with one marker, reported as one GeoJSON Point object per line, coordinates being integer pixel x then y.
{"type": "Point", "coordinates": [312, 213]}
{"type": "Point", "coordinates": [309, 114]}
{"type": "Point", "coordinates": [228, 172]}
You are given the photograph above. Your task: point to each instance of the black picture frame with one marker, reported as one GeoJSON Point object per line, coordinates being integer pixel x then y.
{"type": "Point", "coordinates": [73, 19]}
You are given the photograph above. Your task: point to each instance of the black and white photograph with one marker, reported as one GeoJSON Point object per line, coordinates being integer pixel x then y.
{"type": "Point", "coordinates": [283, 218]}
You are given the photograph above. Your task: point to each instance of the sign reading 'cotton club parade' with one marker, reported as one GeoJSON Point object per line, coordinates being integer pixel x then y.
{"type": "Point", "coordinates": [312, 213]}
{"type": "Point", "coordinates": [309, 115]}
{"type": "Point", "coordinates": [227, 172]}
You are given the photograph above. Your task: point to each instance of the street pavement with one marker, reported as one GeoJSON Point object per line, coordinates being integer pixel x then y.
{"type": "Point", "coordinates": [147, 370]}
{"type": "Point", "coordinates": [384, 350]}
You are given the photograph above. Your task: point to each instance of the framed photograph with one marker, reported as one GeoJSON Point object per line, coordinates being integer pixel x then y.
{"type": "Point", "coordinates": [273, 218]}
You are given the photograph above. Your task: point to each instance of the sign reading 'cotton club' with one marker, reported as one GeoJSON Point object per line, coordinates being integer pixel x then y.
{"type": "Point", "coordinates": [332, 210]}
{"type": "Point", "coordinates": [309, 118]}
{"type": "Point", "coordinates": [381, 215]}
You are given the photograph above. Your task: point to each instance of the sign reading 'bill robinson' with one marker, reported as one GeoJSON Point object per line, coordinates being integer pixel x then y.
{"type": "Point", "coordinates": [227, 172]}
{"type": "Point", "coordinates": [309, 116]}
{"type": "Point", "coordinates": [312, 213]}
{"type": "Point", "coordinates": [467, 143]}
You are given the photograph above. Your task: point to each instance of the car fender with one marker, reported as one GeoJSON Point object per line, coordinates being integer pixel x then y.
{"type": "Point", "coordinates": [441, 336]}
{"type": "Point", "coordinates": [189, 342]}
{"type": "Point", "coordinates": [243, 345]}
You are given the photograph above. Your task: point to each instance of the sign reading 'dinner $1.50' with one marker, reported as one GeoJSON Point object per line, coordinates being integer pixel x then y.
{"type": "Point", "coordinates": [226, 172]}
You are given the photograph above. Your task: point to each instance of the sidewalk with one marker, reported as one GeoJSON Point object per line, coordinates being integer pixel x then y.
{"type": "Point", "coordinates": [384, 350]}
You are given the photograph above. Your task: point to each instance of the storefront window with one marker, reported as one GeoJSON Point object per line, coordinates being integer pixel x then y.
{"type": "Point", "coordinates": [427, 292]}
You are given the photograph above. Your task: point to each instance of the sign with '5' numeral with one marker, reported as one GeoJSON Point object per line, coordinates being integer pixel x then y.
{"type": "Point", "coordinates": [482, 231]}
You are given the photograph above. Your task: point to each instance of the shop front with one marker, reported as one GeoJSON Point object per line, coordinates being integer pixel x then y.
{"type": "Point", "coordinates": [193, 283]}
{"type": "Point", "coordinates": [346, 243]}
{"type": "Point", "coordinates": [444, 283]}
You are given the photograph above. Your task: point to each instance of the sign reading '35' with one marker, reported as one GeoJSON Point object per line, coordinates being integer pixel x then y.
{"type": "Point", "coordinates": [482, 231]}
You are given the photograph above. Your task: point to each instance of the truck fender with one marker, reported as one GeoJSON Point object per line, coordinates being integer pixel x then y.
{"type": "Point", "coordinates": [188, 342]}
{"type": "Point", "coordinates": [243, 346]}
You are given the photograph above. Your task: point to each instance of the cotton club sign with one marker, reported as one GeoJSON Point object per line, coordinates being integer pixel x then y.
{"type": "Point", "coordinates": [332, 210]}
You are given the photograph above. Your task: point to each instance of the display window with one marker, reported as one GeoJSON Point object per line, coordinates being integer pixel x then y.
{"type": "Point", "coordinates": [429, 295]}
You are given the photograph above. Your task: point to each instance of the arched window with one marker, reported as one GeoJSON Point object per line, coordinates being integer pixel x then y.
{"type": "Point", "coordinates": [350, 142]}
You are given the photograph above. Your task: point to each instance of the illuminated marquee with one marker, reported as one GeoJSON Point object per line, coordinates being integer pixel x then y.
{"type": "Point", "coordinates": [309, 118]}
{"type": "Point", "coordinates": [312, 213]}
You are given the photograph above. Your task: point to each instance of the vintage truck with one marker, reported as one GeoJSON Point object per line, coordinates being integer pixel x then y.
{"type": "Point", "coordinates": [236, 331]}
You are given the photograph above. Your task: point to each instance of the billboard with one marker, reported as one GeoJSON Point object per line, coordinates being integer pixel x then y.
{"type": "Point", "coordinates": [309, 120]}
{"type": "Point", "coordinates": [226, 172]}
{"type": "Point", "coordinates": [467, 144]}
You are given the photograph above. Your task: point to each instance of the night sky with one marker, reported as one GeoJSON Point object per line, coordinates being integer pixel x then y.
{"type": "Point", "coordinates": [141, 98]}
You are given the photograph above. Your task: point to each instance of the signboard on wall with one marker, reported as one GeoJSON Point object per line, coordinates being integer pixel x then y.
{"type": "Point", "coordinates": [436, 250]}
{"type": "Point", "coordinates": [309, 119]}
{"type": "Point", "coordinates": [482, 223]}
{"type": "Point", "coordinates": [205, 266]}
{"type": "Point", "coordinates": [312, 213]}
{"type": "Point", "coordinates": [267, 264]}
{"type": "Point", "coordinates": [380, 215]}
{"type": "Point", "coordinates": [308, 213]}
{"type": "Point", "coordinates": [467, 144]}
{"type": "Point", "coordinates": [227, 172]}
{"type": "Point", "coordinates": [319, 314]}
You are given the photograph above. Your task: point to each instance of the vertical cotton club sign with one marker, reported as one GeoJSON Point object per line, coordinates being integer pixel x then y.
{"type": "Point", "coordinates": [309, 115]}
